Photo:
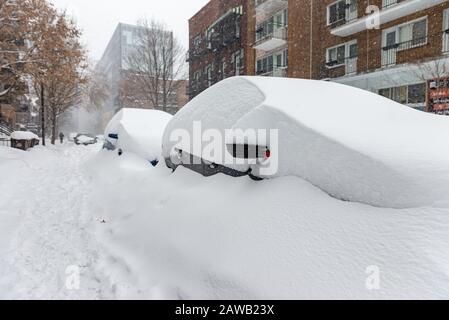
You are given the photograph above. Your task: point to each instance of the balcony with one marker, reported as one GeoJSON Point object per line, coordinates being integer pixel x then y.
{"type": "Point", "coordinates": [272, 41]}
{"type": "Point", "coordinates": [390, 53]}
{"type": "Point", "coordinates": [391, 11]}
{"type": "Point", "coordinates": [336, 69]}
{"type": "Point", "coordinates": [265, 8]}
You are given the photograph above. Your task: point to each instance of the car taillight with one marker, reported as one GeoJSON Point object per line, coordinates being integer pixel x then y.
{"type": "Point", "coordinates": [267, 154]}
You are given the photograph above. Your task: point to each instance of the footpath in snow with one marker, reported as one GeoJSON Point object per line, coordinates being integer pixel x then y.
{"type": "Point", "coordinates": [46, 226]}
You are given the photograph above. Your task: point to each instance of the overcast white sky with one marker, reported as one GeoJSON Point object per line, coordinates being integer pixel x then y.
{"type": "Point", "coordinates": [98, 18]}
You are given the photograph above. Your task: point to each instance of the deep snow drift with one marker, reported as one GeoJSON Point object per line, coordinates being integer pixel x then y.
{"type": "Point", "coordinates": [141, 232]}
{"type": "Point", "coordinates": [353, 144]}
{"type": "Point", "coordinates": [185, 236]}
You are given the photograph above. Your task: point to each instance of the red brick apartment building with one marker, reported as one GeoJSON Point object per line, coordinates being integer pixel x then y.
{"type": "Point", "coordinates": [397, 48]}
{"type": "Point", "coordinates": [220, 43]}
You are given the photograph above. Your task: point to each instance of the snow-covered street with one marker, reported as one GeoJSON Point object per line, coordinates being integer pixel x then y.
{"type": "Point", "coordinates": [144, 233]}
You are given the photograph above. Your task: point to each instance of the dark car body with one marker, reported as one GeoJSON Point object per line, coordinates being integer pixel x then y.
{"type": "Point", "coordinates": [207, 168]}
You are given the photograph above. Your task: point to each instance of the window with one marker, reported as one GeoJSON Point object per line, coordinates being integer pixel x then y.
{"type": "Point", "coordinates": [238, 59]}
{"type": "Point", "coordinates": [412, 95]}
{"type": "Point", "coordinates": [209, 75]}
{"type": "Point", "coordinates": [265, 65]}
{"type": "Point", "coordinates": [264, 29]}
{"type": "Point", "coordinates": [197, 43]}
{"type": "Point", "coordinates": [285, 54]}
{"type": "Point", "coordinates": [413, 34]}
{"type": "Point", "coordinates": [279, 60]}
{"type": "Point", "coordinates": [400, 94]}
{"type": "Point", "coordinates": [446, 31]}
{"type": "Point", "coordinates": [275, 22]}
{"type": "Point", "coordinates": [196, 80]}
{"type": "Point", "coordinates": [336, 56]}
{"type": "Point", "coordinates": [417, 94]}
{"type": "Point", "coordinates": [223, 68]}
{"type": "Point", "coordinates": [336, 12]}
{"type": "Point", "coordinates": [237, 28]}
{"type": "Point", "coordinates": [385, 92]}
{"type": "Point", "coordinates": [272, 62]}
{"type": "Point", "coordinates": [209, 35]}
{"type": "Point", "coordinates": [128, 38]}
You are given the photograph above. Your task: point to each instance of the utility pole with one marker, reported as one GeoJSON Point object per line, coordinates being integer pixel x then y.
{"type": "Point", "coordinates": [42, 114]}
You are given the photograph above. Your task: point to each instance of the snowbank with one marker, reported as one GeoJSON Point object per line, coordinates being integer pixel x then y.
{"type": "Point", "coordinates": [23, 135]}
{"type": "Point", "coordinates": [13, 169]}
{"type": "Point", "coordinates": [353, 144]}
{"type": "Point", "coordinates": [183, 236]}
{"type": "Point", "coordinates": [140, 131]}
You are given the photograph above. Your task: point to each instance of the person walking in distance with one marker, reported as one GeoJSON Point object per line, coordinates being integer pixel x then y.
{"type": "Point", "coordinates": [61, 137]}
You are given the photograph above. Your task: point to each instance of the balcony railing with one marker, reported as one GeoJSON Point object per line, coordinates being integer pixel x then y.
{"type": "Point", "coordinates": [346, 15]}
{"type": "Point", "coordinates": [279, 72]}
{"type": "Point", "coordinates": [390, 3]}
{"type": "Point", "coordinates": [390, 52]}
{"type": "Point", "coordinates": [342, 22]}
{"type": "Point", "coordinates": [272, 41]}
{"type": "Point", "coordinates": [392, 11]}
{"type": "Point", "coordinates": [349, 63]}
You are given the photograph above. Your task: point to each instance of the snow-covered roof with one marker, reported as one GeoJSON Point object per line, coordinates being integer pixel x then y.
{"type": "Point", "coordinates": [353, 144]}
{"type": "Point", "coordinates": [23, 135]}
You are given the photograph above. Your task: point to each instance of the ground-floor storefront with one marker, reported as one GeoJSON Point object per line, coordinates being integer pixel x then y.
{"type": "Point", "coordinates": [423, 86]}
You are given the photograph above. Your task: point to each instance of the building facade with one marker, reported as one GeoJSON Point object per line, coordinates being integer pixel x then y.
{"type": "Point", "coordinates": [396, 48]}
{"type": "Point", "coordinates": [271, 37]}
{"type": "Point", "coordinates": [220, 43]}
{"type": "Point", "coordinates": [122, 80]}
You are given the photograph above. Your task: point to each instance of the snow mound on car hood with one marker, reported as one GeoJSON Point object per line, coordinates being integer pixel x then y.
{"type": "Point", "coordinates": [353, 144]}
{"type": "Point", "coordinates": [140, 131]}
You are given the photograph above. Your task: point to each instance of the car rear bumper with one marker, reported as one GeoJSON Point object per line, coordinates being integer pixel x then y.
{"type": "Point", "coordinates": [208, 169]}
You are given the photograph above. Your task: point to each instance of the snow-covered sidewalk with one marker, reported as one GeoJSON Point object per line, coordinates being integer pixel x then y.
{"type": "Point", "coordinates": [45, 199]}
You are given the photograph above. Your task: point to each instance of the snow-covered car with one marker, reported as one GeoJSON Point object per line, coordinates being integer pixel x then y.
{"type": "Point", "coordinates": [353, 144]}
{"type": "Point", "coordinates": [85, 139]}
{"type": "Point", "coordinates": [137, 131]}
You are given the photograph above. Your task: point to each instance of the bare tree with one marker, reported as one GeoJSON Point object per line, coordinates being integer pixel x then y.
{"type": "Point", "coordinates": [153, 65]}
{"type": "Point", "coordinates": [59, 72]}
{"type": "Point", "coordinates": [96, 89]}
{"type": "Point", "coordinates": [435, 73]}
